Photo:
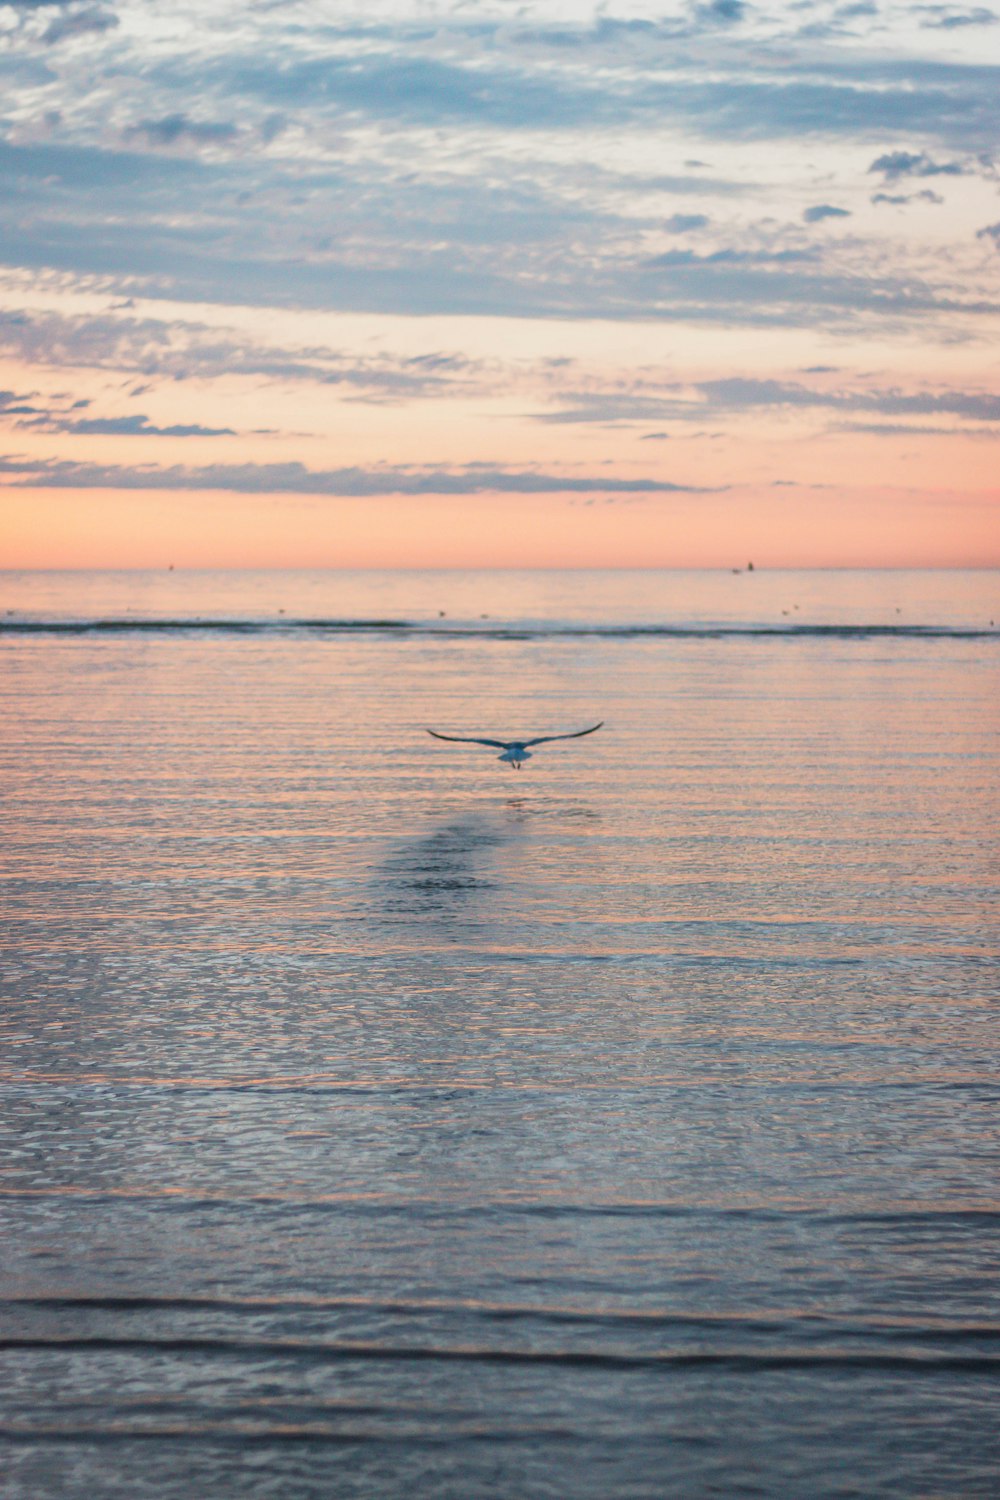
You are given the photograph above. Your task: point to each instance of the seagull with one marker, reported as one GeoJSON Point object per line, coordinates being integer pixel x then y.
{"type": "Point", "coordinates": [515, 752]}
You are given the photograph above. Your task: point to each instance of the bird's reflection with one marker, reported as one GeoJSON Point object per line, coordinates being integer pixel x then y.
{"type": "Point", "coordinates": [463, 868]}
{"type": "Point", "coordinates": [439, 872]}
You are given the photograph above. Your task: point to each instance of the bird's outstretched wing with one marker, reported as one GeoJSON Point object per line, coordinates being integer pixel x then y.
{"type": "Point", "coordinates": [465, 739]}
{"type": "Point", "coordinates": [545, 738]}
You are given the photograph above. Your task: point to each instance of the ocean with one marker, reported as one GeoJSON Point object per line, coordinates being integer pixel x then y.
{"type": "Point", "coordinates": [382, 1121]}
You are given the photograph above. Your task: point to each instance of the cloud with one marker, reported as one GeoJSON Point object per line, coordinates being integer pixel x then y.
{"type": "Point", "coordinates": [418, 88]}
{"type": "Point", "coordinates": [11, 403]}
{"type": "Point", "coordinates": [485, 167]}
{"type": "Point", "coordinates": [750, 288]}
{"type": "Point", "coordinates": [742, 393]}
{"type": "Point", "coordinates": [606, 408]}
{"type": "Point", "coordinates": [172, 129]}
{"type": "Point", "coordinates": [837, 99]}
{"type": "Point", "coordinates": [909, 429]}
{"type": "Point", "coordinates": [58, 416]}
{"type": "Point", "coordinates": [295, 478]}
{"type": "Point", "coordinates": [753, 288]}
{"type": "Point", "coordinates": [824, 211]}
{"type": "Point", "coordinates": [990, 232]}
{"type": "Point", "coordinates": [896, 164]}
{"type": "Point", "coordinates": [179, 350]}
{"type": "Point", "coordinates": [728, 257]}
{"type": "Point", "coordinates": [92, 20]}
{"type": "Point", "coordinates": [734, 395]}
{"type": "Point", "coordinates": [793, 289]}
{"type": "Point", "coordinates": [133, 426]}
{"type": "Point", "coordinates": [926, 195]}
{"type": "Point", "coordinates": [945, 18]}
{"type": "Point", "coordinates": [444, 77]}
{"type": "Point", "coordinates": [726, 11]}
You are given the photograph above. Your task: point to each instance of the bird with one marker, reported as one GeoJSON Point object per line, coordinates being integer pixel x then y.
{"type": "Point", "coordinates": [513, 752]}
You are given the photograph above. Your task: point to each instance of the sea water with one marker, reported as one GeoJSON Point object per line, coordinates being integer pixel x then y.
{"type": "Point", "coordinates": [383, 1121]}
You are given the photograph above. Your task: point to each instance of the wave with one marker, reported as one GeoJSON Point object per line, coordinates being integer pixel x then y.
{"type": "Point", "coordinates": [190, 1431]}
{"type": "Point", "coordinates": [194, 626]}
{"type": "Point", "coordinates": [491, 631]}
{"type": "Point", "coordinates": [331, 1352]}
{"type": "Point", "coordinates": [899, 1328]}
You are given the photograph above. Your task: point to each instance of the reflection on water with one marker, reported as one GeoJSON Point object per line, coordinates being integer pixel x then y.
{"type": "Point", "coordinates": [436, 871]}
{"type": "Point", "coordinates": [373, 1127]}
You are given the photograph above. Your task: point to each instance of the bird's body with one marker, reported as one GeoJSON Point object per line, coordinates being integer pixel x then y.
{"type": "Point", "coordinates": [513, 752]}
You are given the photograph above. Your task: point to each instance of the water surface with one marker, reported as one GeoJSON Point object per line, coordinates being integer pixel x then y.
{"type": "Point", "coordinates": [381, 1121]}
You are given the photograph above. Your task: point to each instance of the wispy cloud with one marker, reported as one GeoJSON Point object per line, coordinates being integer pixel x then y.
{"type": "Point", "coordinates": [910, 429]}
{"type": "Point", "coordinates": [951, 18]}
{"type": "Point", "coordinates": [14, 403]}
{"type": "Point", "coordinates": [183, 350]}
{"type": "Point", "coordinates": [821, 211]}
{"type": "Point", "coordinates": [296, 478]}
{"type": "Point", "coordinates": [926, 195]}
{"type": "Point", "coordinates": [131, 426]}
{"type": "Point", "coordinates": [643, 402]}
{"type": "Point", "coordinates": [896, 164]}
{"type": "Point", "coordinates": [178, 128]}
{"type": "Point", "coordinates": [90, 20]}
{"type": "Point", "coordinates": [745, 394]}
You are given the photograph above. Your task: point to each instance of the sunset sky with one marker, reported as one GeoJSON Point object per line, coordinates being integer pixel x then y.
{"type": "Point", "coordinates": [500, 284]}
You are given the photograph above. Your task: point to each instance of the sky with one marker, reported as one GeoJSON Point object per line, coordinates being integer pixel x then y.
{"type": "Point", "coordinates": [499, 284]}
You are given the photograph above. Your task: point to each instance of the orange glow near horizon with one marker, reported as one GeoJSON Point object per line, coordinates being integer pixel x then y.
{"type": "Point", "coordinates": [790, 483]}
{"type": "Point", "coordinates": [53, 529]}
{"type": "Point", "coordinates": [788, 480]}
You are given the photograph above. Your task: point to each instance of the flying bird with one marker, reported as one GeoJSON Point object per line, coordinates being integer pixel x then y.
{"type": "Point", "coordinates": [514, 752]}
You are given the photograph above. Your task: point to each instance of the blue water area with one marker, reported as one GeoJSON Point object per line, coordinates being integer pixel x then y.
{"type": "Point", "coordinates": [381, 1122]}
